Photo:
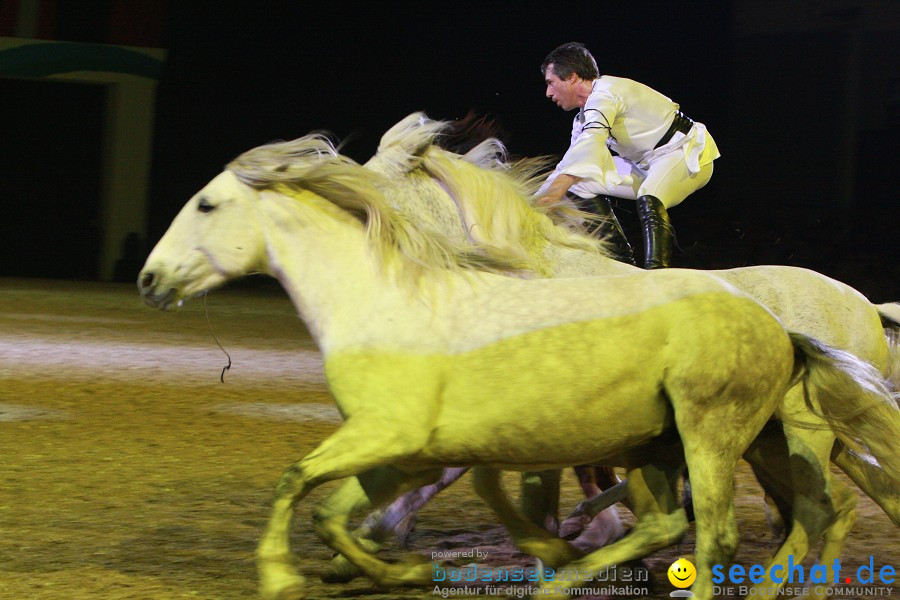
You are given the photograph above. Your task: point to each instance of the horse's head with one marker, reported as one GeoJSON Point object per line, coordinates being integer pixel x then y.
{"type": "Point", "coordinates": [216, 237]}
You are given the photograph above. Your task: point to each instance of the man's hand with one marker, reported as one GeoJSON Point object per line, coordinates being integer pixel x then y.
{"type": "Point", "coordinates": [557, 191]}
{"type": "Point", "coordinates": [549, 199]}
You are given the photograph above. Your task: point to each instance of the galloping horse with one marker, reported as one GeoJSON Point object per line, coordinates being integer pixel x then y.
{"type": "Point", "coordinates": [426, 369]}
{"type": "Point", "coordinates": [447, 193]}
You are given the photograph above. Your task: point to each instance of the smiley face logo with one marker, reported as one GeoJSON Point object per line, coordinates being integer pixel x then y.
{"type": "Point", "coordinates": [682, 573]}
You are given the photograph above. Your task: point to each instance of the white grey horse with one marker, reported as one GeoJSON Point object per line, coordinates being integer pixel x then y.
{"type": "Point", "coordinates": [428, 369]}
{"type": "Point", "coordinates": [481, 198]}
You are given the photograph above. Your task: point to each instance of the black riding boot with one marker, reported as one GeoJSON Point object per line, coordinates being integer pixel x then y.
{"type": "Point", "coordinates": [659, 237]}
{"type": "Point", "coordinates": [609, 228]}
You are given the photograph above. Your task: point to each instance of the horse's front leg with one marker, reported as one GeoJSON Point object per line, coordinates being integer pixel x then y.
{"type": "Point", "coordinates": [540, 498]}
{"type": "Point", "coordinates": [356, 447]}
{"type": "Point", "coordinates": [371, 488]}
{"type": "Point", "coordinates": [348, 500]}
{"type": "Point", "coordinates": [540, 504]}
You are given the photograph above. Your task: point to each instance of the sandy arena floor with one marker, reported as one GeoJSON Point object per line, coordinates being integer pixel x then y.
{"type": "Point", "coordinates": [129, 471]}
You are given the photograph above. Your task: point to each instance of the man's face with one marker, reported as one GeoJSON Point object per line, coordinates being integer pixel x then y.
{"type": "Point", "coordinates": [561, 91]}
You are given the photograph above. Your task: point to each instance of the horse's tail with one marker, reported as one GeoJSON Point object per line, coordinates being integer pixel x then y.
{"type": "Point", "coordinates": [854, 398]}
{"type": "Point", "coordinates": [890, 314]}
{"type": "Point", "coordinates": [871, 479]}
{"type": "Point", "coordinates": [890, 320]}
{"type": "Point", "coordinates": [874, 481]}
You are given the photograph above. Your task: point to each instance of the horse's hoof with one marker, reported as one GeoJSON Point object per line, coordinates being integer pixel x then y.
{"type": "Point", "coordinates": [550, 589]}
{"type": "Point", "coordinates": [573, 526]}
{"type": "Point", "coordinates": [341, 570]}
{"type": "Point", "coordinates": [280, 581]}
{"type": "Point", "coordinates": [412, 573]}
{"type": "Point", "coordinates": [294, 591]}
{"type": "Point", "coordinates": [403, 529]}
{"type": "Point", "coordinates": [554, 552]}
{"type": "Point", "coordinates": [602, 531]}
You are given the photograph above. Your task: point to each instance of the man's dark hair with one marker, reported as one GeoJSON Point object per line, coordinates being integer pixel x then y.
{"type": "Point", "coordinates": [570, 58]}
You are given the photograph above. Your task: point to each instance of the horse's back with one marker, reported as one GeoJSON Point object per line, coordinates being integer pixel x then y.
{"type": "Point", "coordinates": [816, 305]}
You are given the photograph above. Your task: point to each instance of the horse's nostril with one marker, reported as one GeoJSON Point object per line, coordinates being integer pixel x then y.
{"type": "Point", "coordinates": [147, 280]}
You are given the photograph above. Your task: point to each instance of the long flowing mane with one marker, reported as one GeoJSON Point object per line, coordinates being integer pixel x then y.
{"type": "Point", "coordinates": [496, 201]}
{"type": "Point", "coordinates": [492, 192]}
{"type": "Point", "coordinates": [313, 163]}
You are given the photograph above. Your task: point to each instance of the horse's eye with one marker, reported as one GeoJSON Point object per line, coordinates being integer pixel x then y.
{"type": "Point", "coordinates": [204, 206]}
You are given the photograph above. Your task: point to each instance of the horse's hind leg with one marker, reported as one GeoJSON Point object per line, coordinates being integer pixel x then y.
{"type": "Point", "coordinates": [661, 522]}
{"type": "Point", "coordinates": [717, 534]}
{"type": "Point", "coordinates": [820, 506]}
{"type": "Point", "coordinates": [769, 458]}
{"type": "Point", "coordinates": [836, 534]}
{"type": "Point", "coordinates": [527, 536]}
{"type": "Point", "coordinates": [711, 452]}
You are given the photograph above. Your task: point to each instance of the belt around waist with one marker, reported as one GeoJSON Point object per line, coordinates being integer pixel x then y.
{"type": "Point", "coordinates": [681, 123]}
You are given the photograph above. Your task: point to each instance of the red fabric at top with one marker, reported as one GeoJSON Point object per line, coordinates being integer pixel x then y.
{"type": "Point", "coordinates": [9, 14]}
{"type": "Point", "coordinates": [137, 23]}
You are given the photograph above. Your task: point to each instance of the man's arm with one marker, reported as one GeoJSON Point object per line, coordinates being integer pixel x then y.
{"type": "Point", "coordinates": [588, 156]}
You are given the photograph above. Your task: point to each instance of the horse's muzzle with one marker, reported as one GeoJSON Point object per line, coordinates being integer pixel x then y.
{"type": "Point", "coordinates": [147, 286]}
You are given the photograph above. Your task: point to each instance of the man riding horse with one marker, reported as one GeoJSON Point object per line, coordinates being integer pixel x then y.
{"type": "Point", "coordinates": [628, 141]}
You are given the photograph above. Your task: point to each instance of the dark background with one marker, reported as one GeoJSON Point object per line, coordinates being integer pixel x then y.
{"type": "Point", "coordinates": [802, 98]}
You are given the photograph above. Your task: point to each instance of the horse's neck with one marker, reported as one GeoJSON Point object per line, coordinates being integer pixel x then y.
{"type": "Point", "coordinates": [340, 289]}
{"type": "Point", "coordinates": [424, 199]}
{"type": "Point", "coordinates": [392, 162]}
